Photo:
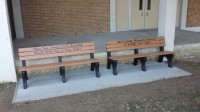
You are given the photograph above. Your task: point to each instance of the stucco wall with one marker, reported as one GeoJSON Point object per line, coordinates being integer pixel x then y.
{"type": "Point", "coordinates": [193, 16]}
{"type": "Point", "coordinates": [45, 18]}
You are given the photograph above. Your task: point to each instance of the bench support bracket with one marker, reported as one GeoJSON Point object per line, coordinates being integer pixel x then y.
{"type": "Point", "coordinates": [135, 61]}
{"type": "Point", "coordinates": [160, 59]}
{"type": "Point", "coordinates": [62, 73]}
{"type": "Point", "coordinates": [62, 70]}
{"type": "Point", "coordinates": [114, 66]}
{"type": "Point", "coordinates": [96, 66]}
{"type": "Point", "coordinates": [143, 63]}
{"type": "Point", "coordinates": [108, 63]}
{"type": "Point", "coordinates": [108, 60]}
{"type": "Point", "coordinates": [24, 75]}
{"type": "Point", "coordinates": [92, 66]}
{"type": "Point", "coordinates": [24, 78]}
{"type": "Point", "coordinates": [169, 59]}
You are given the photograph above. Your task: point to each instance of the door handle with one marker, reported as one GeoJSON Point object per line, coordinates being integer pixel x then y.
{"type": "Point", "coordinates": [147, 14]}
{"type": "Point", "coordinates": [142, 14]}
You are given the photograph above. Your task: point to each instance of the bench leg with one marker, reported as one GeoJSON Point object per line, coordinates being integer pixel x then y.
{"type": "Point", "coordinates": [114, 66]}
{"type": "Point", "coordinates": [26, 75]}
{"type": "Point", "coordinates": [143, 63]}
{"type": "Point", "coordinates": [60, 69]}
{"type": "Point", "coordinates": [92, 66]}
{"type": "Point", "coordinates": [62, 73]}
{"type": "Point", "coordinates": [169, 60]}
{"type": "Point", "coordinates": [108, 63]}
{"type": "Point", "coordinates": [97, 69]}
{"type": "Point", "coordinates": [24, 78]}
{"type": "Point", "coordinates": [135, 62]}
{"type": "Point", "coordinates": [160, 59]}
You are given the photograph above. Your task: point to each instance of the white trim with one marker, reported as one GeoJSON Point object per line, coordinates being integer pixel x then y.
{"type": "Point", "coordinates": [193, 29]}
{"type": "Point", "coordinates": [113, 22]}
{"type": "Point", "coordinates": [184, 14]}
{"type": "Point", "coordinates": [184, 18]}
{"type": "Point", "coordinates": [129, 14]}
{"type": "Point", "coordinates": [179, 13]}
{"type": "Point", "coordinates": [18, 19]}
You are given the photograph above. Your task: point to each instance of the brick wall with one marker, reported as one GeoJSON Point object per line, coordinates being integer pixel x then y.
{"type": "Point", "coordinates": [193, 17]}
{"type": "Point", "coordinates": [45, 18]}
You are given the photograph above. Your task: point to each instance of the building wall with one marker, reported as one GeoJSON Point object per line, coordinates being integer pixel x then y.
{"type": "Point", "coordinates": [46, 18]}
{"type": "Point", "coordinates": [193, 16]}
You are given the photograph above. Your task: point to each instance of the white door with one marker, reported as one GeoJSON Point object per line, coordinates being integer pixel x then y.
{"type": "Point", "coordinates": [122, 7]}
{"type": "Point", "coordinates": [144, 14]}
{"type": "Point", "coordinates": [137, 14]}
{"type": "Point", "coordinates": [151, 14]}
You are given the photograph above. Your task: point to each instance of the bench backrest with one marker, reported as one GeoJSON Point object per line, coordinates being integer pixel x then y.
{"type": "Point", "coordinates": [137, 43]}
{"type": "Point", "coordinates": [56, 50]}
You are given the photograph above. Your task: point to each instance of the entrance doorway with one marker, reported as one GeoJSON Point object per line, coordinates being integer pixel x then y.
{"type": "Point", "coordinates": [144, 14]}
{"type": "Point", "coordinates": [137, 14]}
{"type": "Point", "coordinates": [140, 14]}
{"type": "Point", "coordinates": [122, 15]}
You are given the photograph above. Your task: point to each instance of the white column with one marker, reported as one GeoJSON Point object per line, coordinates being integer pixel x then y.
{"type": "Point", "coordinates": [112, 15]}
{"type": "Point", "coordinates": [18, 18]}
{"type": "Point", "coordinates": [167, 22]}
{"type": "Point", "coordinates": [7, 67]}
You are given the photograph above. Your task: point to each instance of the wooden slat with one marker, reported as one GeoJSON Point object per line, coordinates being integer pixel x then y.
{"type": "Point", "coordinates": [55, 55]}
{"type": "Point", "coordinates": [143, 43]}
{"type": "Point", "coordinates": [56, 50]}
{"type": "Point", "coordinates": [135, 44]}
{"type": "Point", "coordinates": [55, 65]}
{"type": "Point", "coordinates": [124, 57]}
{"type": "Point", "coordinates": [54, 46]}
{"type": "Point", "coordinates": [132, 47]}
{"type": "Point", "coordinates": [130, 40]}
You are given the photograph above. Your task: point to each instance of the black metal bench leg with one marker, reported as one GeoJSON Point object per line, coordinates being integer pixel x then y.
{"type": "Point", "coordinates": [160, 59]}
{"type": "Point", "coordinates": [114, 66]}
{"type": "Point", "coordinates": [62, 73]}
{"type": "Point", "coordinates": [108, 63]}
{"type": "Point", "coordinates": [135, 62]}
{"type": "Point", "coordinates": [169, 60]}
{"type": "Point", "coordinates": [92, 66]}
{"type": "Point", "coordinates": [24, 78]}
{"type": "Point", "coordinates": [60, 69]}
{"type": "Point", "coordinates": [26, 75]}
{"type": "Point", "coordinates": [97, 69]}
{"type": "Point", "coordinates": [143, 63]}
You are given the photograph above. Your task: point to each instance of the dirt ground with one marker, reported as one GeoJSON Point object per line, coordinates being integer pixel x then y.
{"type": "Point", "coordinates": [171, 95]}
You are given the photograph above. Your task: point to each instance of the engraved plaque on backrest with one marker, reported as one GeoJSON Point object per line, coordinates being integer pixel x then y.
{"type": "Point", "coordinates": [57, 49]}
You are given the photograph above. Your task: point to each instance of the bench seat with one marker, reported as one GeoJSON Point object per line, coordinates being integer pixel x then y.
{"type": "Point", "coordinates": [56, 65]}
{"type": "Point", "coordinates": [132, 56]}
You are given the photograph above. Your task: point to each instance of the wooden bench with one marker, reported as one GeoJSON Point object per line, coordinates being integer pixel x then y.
{"type": "Point", "coordinates": [136, 44]}
{"type": "Point", "coordinates": [57, 51]}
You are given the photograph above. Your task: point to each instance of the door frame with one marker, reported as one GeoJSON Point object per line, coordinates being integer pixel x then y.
{"type": "Point", "coordinates": [130, 14]}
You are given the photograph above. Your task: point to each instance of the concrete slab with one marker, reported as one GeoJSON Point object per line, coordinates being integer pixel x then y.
{"type": "Point", "coordinates": [50, 85]}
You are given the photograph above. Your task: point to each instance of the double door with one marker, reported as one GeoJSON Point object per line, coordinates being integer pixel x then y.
{"type": "Point", "coordinates": [137, 14]}
{"type": "Point", "coordinates": [144, 14]}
